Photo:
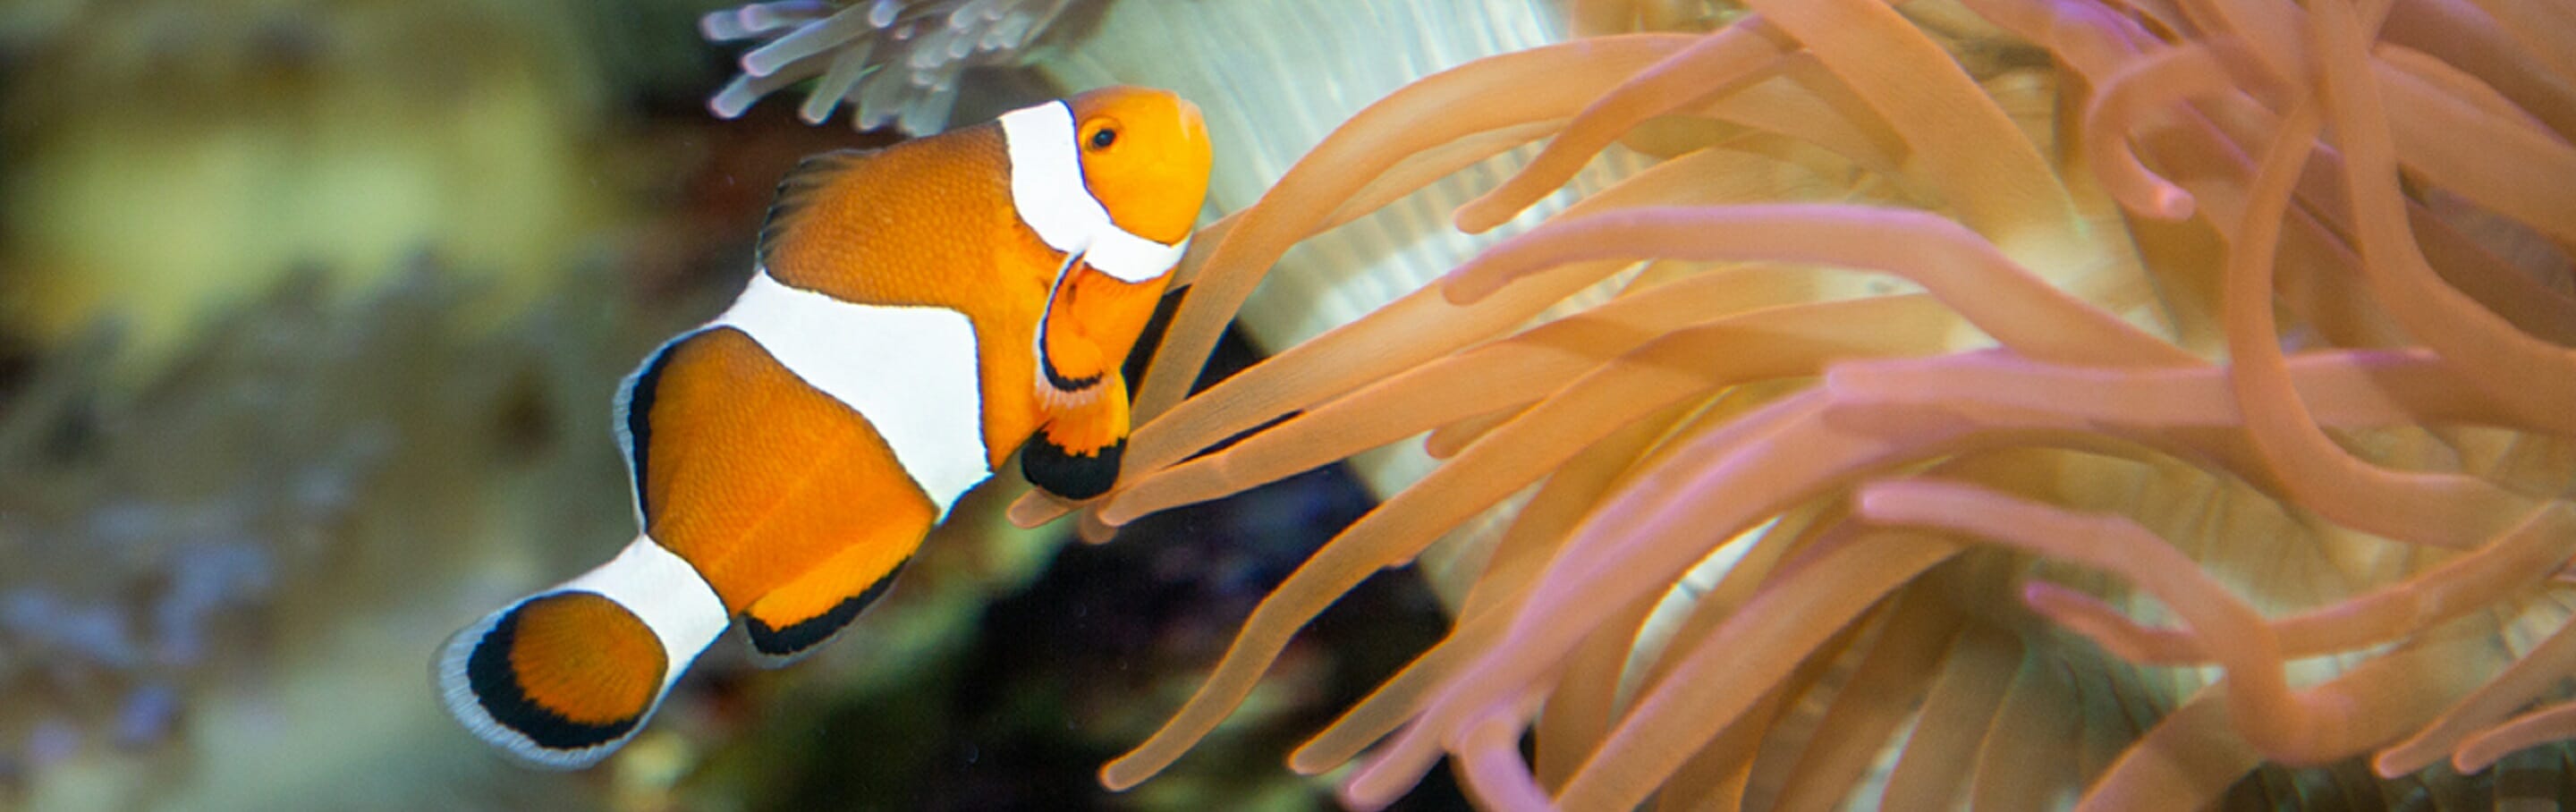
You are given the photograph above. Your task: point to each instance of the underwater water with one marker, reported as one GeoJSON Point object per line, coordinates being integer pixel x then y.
{"type": "Point", "coordinates": [1597, 404]}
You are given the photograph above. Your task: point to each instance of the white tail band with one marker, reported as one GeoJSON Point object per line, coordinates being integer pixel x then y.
{"type": "Point", "coordinates": [666, 593]}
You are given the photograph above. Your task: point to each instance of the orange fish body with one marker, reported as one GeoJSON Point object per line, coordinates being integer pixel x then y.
{"type": "Point", "coordinates": [919, 312]}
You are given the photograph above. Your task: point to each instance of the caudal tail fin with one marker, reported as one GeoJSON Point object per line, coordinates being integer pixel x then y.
{"type": "Point", "coordinates": [564, 677]}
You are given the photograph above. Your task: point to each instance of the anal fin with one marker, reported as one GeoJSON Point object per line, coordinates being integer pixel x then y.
{"type": "Point", "coordinates": [800, 616]}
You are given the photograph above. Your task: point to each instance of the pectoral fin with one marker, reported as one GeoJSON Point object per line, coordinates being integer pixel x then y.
{"type": "Point", "coordinates": [1070, 364]}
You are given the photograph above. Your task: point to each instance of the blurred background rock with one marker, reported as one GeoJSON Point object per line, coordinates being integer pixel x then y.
{"type": "Point", "coordinates": [310, 311]}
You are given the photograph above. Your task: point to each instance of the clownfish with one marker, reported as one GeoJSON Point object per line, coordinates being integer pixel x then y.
{"type": "Point", "coordinates": [916, 313]}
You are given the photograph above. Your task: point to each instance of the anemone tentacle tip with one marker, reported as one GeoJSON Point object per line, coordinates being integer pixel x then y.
{"type": "Point", "coordinates": [2174, 204]}
{"type": "Point", "coordinates": [1114, 778]}
{"type": "Point", "coordinates": [1481, 214]}
{"type": "Point", "coordinates": [1464, 287]}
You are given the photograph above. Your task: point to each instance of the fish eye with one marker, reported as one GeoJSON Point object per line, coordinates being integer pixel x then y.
{"type": "Point", "coordinates": [1103, 137]}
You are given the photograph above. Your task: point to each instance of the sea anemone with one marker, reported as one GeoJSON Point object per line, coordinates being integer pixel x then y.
{"type": "Point", "coordinates": [897, 62]}
{"type": "Point", "coordinates": [1961, 407]}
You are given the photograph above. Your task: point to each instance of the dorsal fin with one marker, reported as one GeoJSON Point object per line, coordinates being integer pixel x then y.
{"type": "Point", "coordinates": [799, 188]}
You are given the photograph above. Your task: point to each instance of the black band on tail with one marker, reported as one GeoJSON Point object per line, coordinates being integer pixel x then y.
{"type": "Point", "coordinates": [496, 686]}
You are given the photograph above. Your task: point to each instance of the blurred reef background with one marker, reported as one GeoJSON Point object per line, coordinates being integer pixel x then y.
{"type": "Point", "coordinates": [310, 313]}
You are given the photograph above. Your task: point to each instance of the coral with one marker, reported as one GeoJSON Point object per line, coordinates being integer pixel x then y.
{"type": "Point", "coordinates": [897, 62]}
{"type": "Point", "coordinates": [1990, 368]}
